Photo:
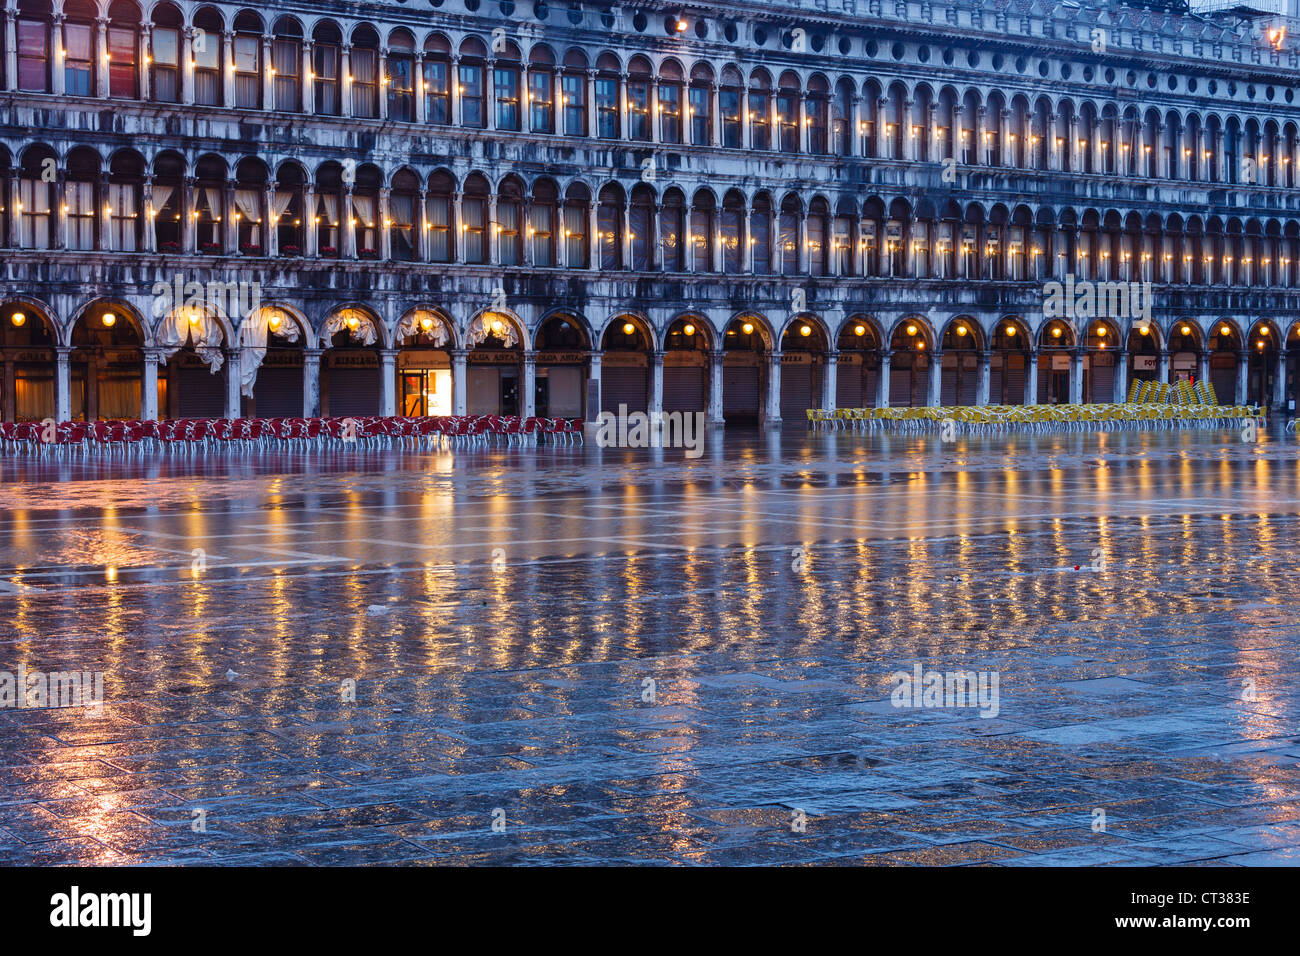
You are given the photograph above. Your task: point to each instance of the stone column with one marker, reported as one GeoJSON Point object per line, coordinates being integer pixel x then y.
{"type": "Point", "coordinates": [1121, 377]}
{"type": "Point", "coordinates": [934, 392]}
{"type": "Point", "coordinates": [11, 49]}
{"type": "Point", "coordinates": [388, 382]}
{"type": "Point", "coordinates": [62, 384]}
{"type": "Point", "coordinates": [1164, 366]}
{"type": "Point", "coordinates": [880, 131]}
{"type": "Point", "coordinates": [830, 372]}
{"type": "Point", "coordinates": [593, 377]}
{"type": "Point", "coordinates": [656, 383]}
{"type": "Point", "coordinates": [593, 117]}
{"type": "Point", "coordinates": [458, 228]}
{"type": "Point", "coordinates": [882, 386]}
{"type": "Point", "coordinates": [1203, 366]}
{"type": "Point", "coordinates": [268, 74]}
{"type": "Point", "coordinates": [982, 389]}
{"type": "Point", "coordinates": [311, 383]}
{"type": "Point", "coordinates": [1243, 369]}
{"type": "Point", "coordinates": [309, 225]}
{"type": "Point", "coordinates": [347, 226]}
{"type": "Point", "coordinates": [15, 219]}
{"type": "Point", "coordinates": [232, 370]}
{"type": "Point", "coordinates": [101, 60]}
{"type": "Point", "coordinates": [228, 68]}
{"type": "Point", "coordinates": [345, 80]}
{"type": "Point", "coordinates": [1076, 376]}
{"type": "Point", "coordinates": [384, 225]}
{"type": "Point", "coordinates": [773, 416]}
{"type": "Point", "coordinates": [187, 66]}
{"type": "Point", "coordinates": [715, 387]}
{"type": "Point", "coordinates": [530, 383]}
{"type": "Point", "coordinates": [103, 214]}
{"type": "Point", "coordinates": [458, 366]}
{"type": "Point", "coordinates": [308, 73]}
{"type": "Point", "coordinates": [229, 227]}
{"type": "Point", "coordinates": [453, 81]}
{"type": "Point", "coordinates": [382, 69]}
{"type": "Point", "coordinates": [1279, 381]}
{"type": "Point", "coordinates": [271, 239]}
{"type": "Point", "coordinates": [57, 79]}
{"type": "Point", "coordinates": [1031, 377]}
{"type": "Point", "coordinates": [593, 235]}
{"type": "Point", "coordinates": [149, 388]}
{"type": "Point", "coordinates": [420, 227]}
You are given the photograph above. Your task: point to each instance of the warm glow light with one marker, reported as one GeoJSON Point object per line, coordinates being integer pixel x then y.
{"type": "Point", "coordinates": [1225, 330]}
{"type": "Point", "coordinates": [273, 322]}
{"type": "Point", "coordinates": [426, 323]}
{"type": "Point", "coordinates": [859, 330]}
{"type": "Point", "coordinates": [18, 319]}
{"type": "Point", "coordinates": [1010, 330]}
{"type": "Point", "coordinates": [628, 328]}
{"type": "Point", "coordinates": [911, 330]}
{"type": "Point", "coordinates": [1145, 330]}
{"type": "Point", "coordinates": [747, 328]}
{"type": "Point", "coordinates": [805, 330]}
{"type": "Point", "coordinates": [688, 329]}
{"type": "Point", "coordinates": [1101, 331]}
{"type": "Point", "coordinates": [108, 318]}
{"type": "Point", "coordinates": [1056, 332]}
{"type": "Point", "coordinates": [1186, 330]}
{"type": "Point", "coordinates": [961, 330]}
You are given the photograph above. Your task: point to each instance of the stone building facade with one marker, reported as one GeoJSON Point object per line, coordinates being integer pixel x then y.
{"type": "Point", "coordinates": [539, 207]}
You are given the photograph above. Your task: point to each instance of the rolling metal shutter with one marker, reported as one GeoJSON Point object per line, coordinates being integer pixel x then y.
{"type": "Point", "coordinates": [796, 393]}
{"type": "Point", "coordinates": [848, 387]}
{"type": "Point", "coordinates": [1102, 384]}
{"type": "Point", "coordinates": [1224, 381]}
{"type": "Point", "coordinates": [920, 386]}
{"type": "Point", "coordinates": [623, 386]}
{"type": "Point", "coordinates": [1013, 386]}
{"type": "Point", "coordinates": [685, 388]}
{"type": "Point", "coordinates": [870, 385]}
{"type": "Point", "coordinates": [564, 391]}
{"type": "Point", "coordinates": [200, 394]}
{"type": "Point", "coordinates": [900, 387]}
{"type": "Point", "coordinates": [968, 393]}
{"type": "Point", "coordinates": [278, 392]}
{"type": "Point", "coordinates": [353, 392]}
{"type": "Point", "coordinates": [740, 391]}
{"type": "Point", "coordinates": [948, 387]}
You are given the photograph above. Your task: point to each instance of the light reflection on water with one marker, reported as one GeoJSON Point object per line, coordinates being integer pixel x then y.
{"type": "Point", "coordinates": [619, 565]}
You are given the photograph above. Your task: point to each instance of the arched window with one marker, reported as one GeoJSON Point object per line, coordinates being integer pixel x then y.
{"type": "Point", "coordinates": [672, 228]}
{"type": "Point", "coordinates": [505, 80]}
{"type": "Point", "coordinates": [542, 226]}
{"type": "Point", "coordinates": [577, 202]}
{"type": "Point", "coordinates": [123, 44]}
{"type": "Point", "coordinates": [79, 198]}
{"type": "Point", "coordinates": [509, 225]}
{"type": "Point", "coordinates": [250, 217]}
{"type": "Point", "coordinates": [759, 107]}
{"type": "Point", "coordinates": [733, 219]}
{"type": "Point", "coordinates": [638, 99]}
{"type": "Point", "coordinates": [365, 72]}
{"type": "Point", "coordinates": [437, 81]}
{"type": "Point", "coordinates": [817, 238]}
{"type": "Point", "coordinates": [325, 42]}
{"type": "Point", "coordinates": [327, 214]}
{"type": "Point", "coordinates": [541, 90]}
{"type": "Point", "coordinates": [402, 200]}
{"type": "Point", "coordinates": [641, 219]}
{"type": "Point", "coordinates": [609, 222]}
{"type": "Point", "coordinates": [471, 84]}
{"type": "Point", "coordinates": [474, 207]}
{"type": "Point", "coordinates": [286, 64]}
{"type": "Point", "coordinates": [703, 222]}
{"type": "Point", "coordinates": [165, 55]}
{"type": "Point", "coordinates": [787, 113]}
{"type": "Point", "coordinates": [164, 213]}
{"type": "Point", "coordinates": [287, 211]}
{"type": "Point", "coordinates": [36, 199]}
{"type": "Point", "coordinates": [79, 48]}
{"type": "Point", "coordinates": [207, 58]}
{"type": "Point", "coordinates": [817, 109]}
{"type": "Point", "coordinates": [401, 76]}
{"type": "Point", "coordinates": [670, 102]}
{"type": "Point", "coordinates": [365, 212]}
{"type": "Point", "coordinates": [789, 235]}
{"type": "Point", "coordinates": [760, 225]}
{"type": "Point", "coordinates": [438, 217]}
{"type": "Point", "coordinates": [125, 180]}
{"type": "Point", "coordinates": [607, 108]}
{"type": "Point", "coordinates": [247, 54]}
{"type": "Point", "coordinates": [842, 119]}
{"type": "Point", "coordinates": [731, 105]}
{"type": "Point", "coordinates": [700, 108]}
{"type": "Point", "coordinates": [573, 85]}
{"type": "Point", "coordinates": [33, 46]}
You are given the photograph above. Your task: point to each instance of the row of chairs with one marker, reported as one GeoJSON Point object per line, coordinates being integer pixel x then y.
{"type": "Point", "coordinates": [1178, 393]}
{"type": "Point", "coordinates": [1032, 418]}
{"type": "Point", "coordinates": [272, 433]}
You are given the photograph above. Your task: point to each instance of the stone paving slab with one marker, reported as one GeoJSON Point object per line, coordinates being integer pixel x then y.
{"type": "Point", "coordinates": [651, 677]}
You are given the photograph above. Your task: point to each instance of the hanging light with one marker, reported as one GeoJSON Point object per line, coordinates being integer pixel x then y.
{"type": "Point", "coordinates": [496, 325]}
{"type": "Point", "coordinates": [1186, 330]}
{"type": "Point", "coordinates": [426, 322]}
{"type": "Point", "coordinates": [1225, 330]}
{"type": "Point", "coordinates": [688, 329]}
{"type": "Point", "coordinates": [18, 319]}
{"type": "Point", "coordinates": [273, 323]}
{"type": "Point", "coordinates": [1101, 331]}
{"type": "Point", "coordinates": [859, 330]}
{"type": "Point", "coordinates": [108, 318]}
{"type": "Point", "coordinates": [748, 328]}
{"type": "Point", "coordinates": [911, 330]}
{"type": "Point", "coordinates": [961, 330]}
{"type": "Point", "coordinates": [805, 330]}
{"type": "Point", "coordinates": [1145, 330]}
{"type": "Point", "coordinates": [352, 322]}
{"type": "Point", "coordinates": [628, 328]}
{"type": "Point", "coordinates": [194, 318]}
{"type": "Point", "coordinates": [1010, 330]}
{"type": "Point", "coordinates": [1056, 331]}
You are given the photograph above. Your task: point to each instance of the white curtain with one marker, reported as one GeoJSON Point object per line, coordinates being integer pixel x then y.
{"type": "Point", "coordinates": [80, 197]}
{"type": "Point", "coordinates": [250, 207]}
{"type": "Point", "coordinates": [121, 199]}
{"type": "Point", "coordinates": [205, 335]}
{"type": "Point", "coordinates": [253, 339]}
{"type": "Point", "coordinates": [410, 327]}
{"type": "Point", "coordinates": [364, 334]}
{"type": "Point", "coordinates": [279, 204]}
{"type": "Point", "coordinates": [365, 208]}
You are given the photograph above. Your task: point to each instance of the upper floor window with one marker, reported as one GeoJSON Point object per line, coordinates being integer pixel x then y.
{"type": "Point", "coordinates": [78, 49]}
{"type": "Point", "coordinates": [700, 115]}
{"type": "Point", "coordinates": [638, 109]}
{"type": "Point", "coordinates": [540, 96]}
{"type": "Point", "coordinates": [207, 66]}
{"type": "Point", "coordinates": [122, 82]}
{"type": "Point", "coordinates": [365, 81]}
{"type": "Point", "coordinates": [574, 92]}
{"type": "Point", "coordinates": [325, 73]}
{"type": "Point", "coordinates": [286, 53]}
{"type": "Point", "coordinates": [607, 107]}
{"type": "Point", "coordinates": [33, 56]}
{"type": "Point", "coordinates": [401, 86]}
{"type": "Point", "coordinates": [165, 65]}
{"type": "Point", "coordinates": [437, 91]}
{"type": "Point", "coordinates": [730, 106]}
{"type": "Point", "coordinates": [471, 95]}
{"type": "Point", "coordinates": [506, 79]}
{"type": "Point", "coordinates": [248, 72]}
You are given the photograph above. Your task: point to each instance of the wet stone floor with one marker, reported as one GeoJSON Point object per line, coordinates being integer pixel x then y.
{"type": "Point", "coordinates": [568, 655]}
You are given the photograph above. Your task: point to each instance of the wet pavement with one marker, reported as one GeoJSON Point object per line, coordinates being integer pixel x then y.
{"type": "Point", "coordinates": [580, 655]}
